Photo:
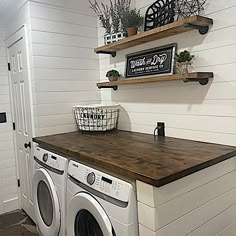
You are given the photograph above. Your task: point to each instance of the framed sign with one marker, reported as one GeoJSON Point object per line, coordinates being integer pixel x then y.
{"type": "Point", "coordinates": [153, 61]}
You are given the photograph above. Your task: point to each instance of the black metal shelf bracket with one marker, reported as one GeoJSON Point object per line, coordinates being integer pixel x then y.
{"type": "Point", "coordinates": [113, 87]}
{"type": "Point", "coordinates": [202, 81]}
{"type": "Point", "coordinates": [202, 29]}
{"type": "Point", "coordinates": [113, 54]}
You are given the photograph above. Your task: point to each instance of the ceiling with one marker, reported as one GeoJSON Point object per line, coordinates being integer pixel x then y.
{"type": "Point", "coordinates": [8, 8]}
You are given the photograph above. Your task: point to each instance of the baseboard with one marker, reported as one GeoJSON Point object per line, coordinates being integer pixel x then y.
{"type": "Point", "coordinates": [10, 205]}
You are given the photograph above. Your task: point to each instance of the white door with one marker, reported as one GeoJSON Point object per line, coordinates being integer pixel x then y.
{"type": "Point", "coordinates": [22, 117]}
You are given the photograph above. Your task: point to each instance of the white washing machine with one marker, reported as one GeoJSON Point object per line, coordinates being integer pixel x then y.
{"type": "Point", "coordinates": [99, 204]}
{"type": "Point", "coordinates": [49, 192]}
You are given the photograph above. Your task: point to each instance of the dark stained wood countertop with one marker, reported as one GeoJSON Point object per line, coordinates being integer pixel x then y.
{"type": "Point", "coordinates": [138, 156]}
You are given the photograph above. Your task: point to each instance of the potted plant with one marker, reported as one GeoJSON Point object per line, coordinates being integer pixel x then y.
{"type": "Point", "coordinates": [110, 17]}
{"type": "Point", "coordinates": [183, 61]}
{"type": "Point", "coordinates": [103, 13]}
{"type": "Point", "coordinates": [132, 19]}
{"type": "Point", "coordinates": [112, 75]}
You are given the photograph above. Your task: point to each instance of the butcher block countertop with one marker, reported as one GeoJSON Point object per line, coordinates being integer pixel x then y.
{"type": "Point", "coordinates": [138, 156]}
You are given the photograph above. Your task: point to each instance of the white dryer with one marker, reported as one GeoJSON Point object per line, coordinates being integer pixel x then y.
{"type": "Point", "coordinates": [49, 192]}
{"type": "Point", "coordinates": [99, 204]}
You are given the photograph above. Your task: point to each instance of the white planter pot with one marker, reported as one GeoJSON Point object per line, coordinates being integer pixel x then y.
{"type": "Point", "coordinates": [111, 38]}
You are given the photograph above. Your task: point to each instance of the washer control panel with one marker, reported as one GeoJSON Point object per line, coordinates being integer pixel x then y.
{"type": "Point", "coordinates": [91, 177]}
{"type": "Point", "coordinates": [50, 159]}
{"type": "Point", "coordinates": [45, 157]}
{"type": "Point", "coordinates": [100, 181]}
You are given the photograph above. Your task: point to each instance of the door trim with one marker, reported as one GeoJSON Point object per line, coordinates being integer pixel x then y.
{"type": "Point", "coordinates": [15, 37]}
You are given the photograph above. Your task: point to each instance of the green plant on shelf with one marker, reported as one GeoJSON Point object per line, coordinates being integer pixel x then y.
{"type": "Point", "coordinates": [112, 75]}
{"type": "Point", "coordinates": [111, 14]}
{"type": "Point", "coordinates": [184, 56]}
{"type": "Point", "coordinates": [183, 62]}
{"type": "Point", "coordinates": [132, 18]}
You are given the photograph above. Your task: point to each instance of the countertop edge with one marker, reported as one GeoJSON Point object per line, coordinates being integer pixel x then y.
{"type": "Point", "coordinates": [136, 176]}
{"type": "Point", "coordinates": [194, 169]}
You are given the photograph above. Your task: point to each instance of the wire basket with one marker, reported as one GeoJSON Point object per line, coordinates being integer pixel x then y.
{"type": "Point", "coordinates": [96, 117]}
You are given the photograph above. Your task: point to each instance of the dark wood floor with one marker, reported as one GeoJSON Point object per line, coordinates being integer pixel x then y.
{"type": "Point", "coordinates": [17, 223]}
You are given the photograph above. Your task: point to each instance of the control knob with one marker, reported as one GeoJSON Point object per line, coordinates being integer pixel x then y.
{"type": "Point", "coordinates": [45, 157]}
{"type": "Point", "coordinates": [91, 178]}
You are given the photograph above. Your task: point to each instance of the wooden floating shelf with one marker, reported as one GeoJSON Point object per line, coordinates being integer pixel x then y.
{"type": "Point", "coordinates": [201, 77]}
{"type": "Point", "coordinates": [194, 22]}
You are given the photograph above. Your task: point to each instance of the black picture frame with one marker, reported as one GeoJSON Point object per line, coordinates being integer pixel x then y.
{"type": "Point", "coordinates": [154, 61]}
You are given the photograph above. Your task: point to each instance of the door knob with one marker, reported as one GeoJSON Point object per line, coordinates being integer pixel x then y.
{"type": "Point", "coordinates": [27, 145]}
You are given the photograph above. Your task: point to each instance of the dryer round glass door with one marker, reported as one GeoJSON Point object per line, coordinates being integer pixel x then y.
{"type": "Point", "coordinates": [86, 224]}
{"type": "Point", "coordinates": [86, 217]}
{"type": "Point", "coordinates": [46, 203]}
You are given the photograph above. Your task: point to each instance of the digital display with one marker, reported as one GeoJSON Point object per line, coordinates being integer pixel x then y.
{"type": "Point", "coordinates": [107, 180]}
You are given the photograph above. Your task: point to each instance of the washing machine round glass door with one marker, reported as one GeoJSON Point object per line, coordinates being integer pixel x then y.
{"type": "Point", "coordinates": [46, 203]}
{"type": "Point", "coordinates": [86, 217]}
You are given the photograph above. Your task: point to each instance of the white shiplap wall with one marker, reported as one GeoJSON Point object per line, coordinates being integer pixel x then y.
{"type": "Point", "coordinates": [191, 111]}
{"type": "Point", "coordinates": [65, 68]}
{"type": "Point", "coordinates": [8, 180]}
{"type": "Point", "coordinates": [201, 204]}
{"type": "Point", "coordinates": [61, 36]}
